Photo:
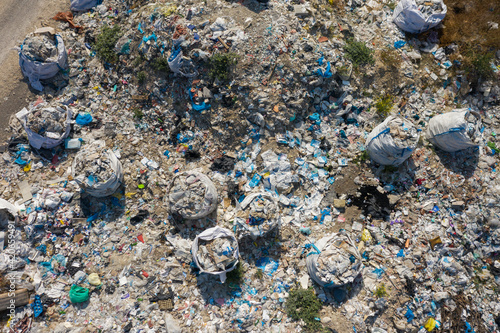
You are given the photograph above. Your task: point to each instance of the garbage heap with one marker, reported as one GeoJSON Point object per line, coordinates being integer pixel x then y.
{"type": "Point", "coordinates": [259, 214]}
{"type": "Point", "coordinates": [192, 195]}
{"type": "Point", "coordinates": [46, 126]}
{"type": "Point", "coordinates": [42, 56]}
{"type": "Point", "coordinates": [97, 170]}
{"type": "Point", "coordinates": [393, 141]}
{"type": "Point", "coordinates": [335, 261]}
{"type": "Point", "coordinates": [215, 251]}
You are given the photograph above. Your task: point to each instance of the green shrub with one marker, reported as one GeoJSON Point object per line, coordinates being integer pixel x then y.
{"type": "Point", "coordinates": [358, 53]}
{"type": "Point", "coordinates": [236, 275]}
{"type": "Point", "coordinates": [362, 157]}
{"type": "Point", "coordinates": [221, 65]}
{"type": "Point", "coordinates": [259, 274]}
{"type": "Point", "coordinates": [384, 105]}
{"type": "Point", "coordinates": [381, 291]}
{"type": "Point", "coordinates": [141, 77]}
{"type": "Point", "coordinates": [138, 114]}
{"type": "Point", "coordinates": [304, 304]}
{"type": "Point", "coordinates": [161, 64]}
{"type": "Point", "coordinates": [105, 43]}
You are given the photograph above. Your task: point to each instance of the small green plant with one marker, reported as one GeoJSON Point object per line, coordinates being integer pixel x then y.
{"type": "Point", "coordinates": [492, 145]}
{"type": "Point", "coordinates": [381, 291]}
{"type": "Point", "coordinates": [358, 53]}
{"type": "Point", "coordinates": [383, 105]}
{"type": "Point", "coordinates": [236, 275]}
{"type": "Point", "coordinates": [303, 304]}
{"type": "Point", "coordinates": [105, 43]}
{"type": "Point", "coordinates": [259, 274]}
{"type": "Point", "coordinates": [390, 58]}
{"type": "Point", "coordinates": [141, 77]}
{"type": "Point", "coordinates": [221, 65]}
{"type": "Point", "coordinates": [362, 157]}
{"type": "Point", "coordinates": [391, 4]}
{"type": "Point", "coordinates": [482, 64]}
{"type": "Point", "coordinates": [137, 112]}
{"type": "Point", "coordinates": [138, 61]}
{"type": "Point", "coordinates": [161, 64]}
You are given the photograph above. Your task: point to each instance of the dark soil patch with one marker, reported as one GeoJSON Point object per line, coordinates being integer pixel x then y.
{"type": "Point", "coordinates": [372, 202]}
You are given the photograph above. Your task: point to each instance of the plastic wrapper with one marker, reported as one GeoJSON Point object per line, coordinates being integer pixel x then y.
{"type": "Point", "coordinates": [192, 195]}
{"type": "Point", "coordinates": [258, 214]}
{"type": "Point", "coordinates": [392, 141]}
{"type": "Point", "coordinates": [456, 130]}
{"type": "Point", "coordinates": [83, 5]}
{"type": "Point", "coordinates": [215, 251]}
{"type": "Point", "coordinates": [335, 262]}
{"type": "Point", "coordinates": [418, 16]}
{"type": "Point", "coordinates": [41, 57]}
{"type": "Point", "coordinates": [97, 170]}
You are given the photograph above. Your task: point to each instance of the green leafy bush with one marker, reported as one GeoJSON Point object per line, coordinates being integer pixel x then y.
{"type": "Point", "coordinates": [303, 304]}
{"type": "Point", "coordinates": [384, 105]}
{"type": "Point", "coordinates": [160, 64]}
{"type": "Point", "coordinates": [105, 43]}
{"type": "Point", "coordinates": [141, 77]}
{"type": "Point", "coordinates": [358, 53]}
{"type": "Point", "coordinates": [221, 65]}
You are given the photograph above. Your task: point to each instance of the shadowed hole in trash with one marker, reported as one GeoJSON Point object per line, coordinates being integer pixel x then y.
{"type": "Point", "coordinates": [463, 162]}
{"type": "Point", "coordinates": [110, 207]}
{"type": "Point", "coordinates": [372, 202]}
{"type": "Point", "coordinates": [255, 251]}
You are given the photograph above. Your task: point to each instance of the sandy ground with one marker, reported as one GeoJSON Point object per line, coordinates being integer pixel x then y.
{"type": "Point", "coordinates": [17, 19]}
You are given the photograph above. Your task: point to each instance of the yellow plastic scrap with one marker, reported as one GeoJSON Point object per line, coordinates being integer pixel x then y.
{"type": "Point", "coordinates": [129, 194]}
{"type": "Point", "coordinates": [167, 11]}
{"type": "Point", "coordinates": [430, 324]}
{"type": "Point", "coordinates": [366, 236]}
{"type": "Point", "coordinates": [27, 167]}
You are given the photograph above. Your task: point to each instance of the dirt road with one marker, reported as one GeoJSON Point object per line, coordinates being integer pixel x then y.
{"type": "Point", "coordinates": [18, 18]}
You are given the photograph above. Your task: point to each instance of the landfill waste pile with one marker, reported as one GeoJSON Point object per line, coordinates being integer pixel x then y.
{"type": "Point", "coordinates": [336, 262]}
{"type": "Point", "coordinates": [258, 215]}
{"type": "Point", "coordinates": [218, 161]}
{"type": "Point", "coordinates": [42, 55]}
{"type": "Point", "coordinates": [192, 195]}
{"type": "Point", "coordinates": [215, 251]}
{"type": "Point", "coordinates": [392, 142]}
{"type": "Point", "coordinates": [97, 170]}
{"type": "Point", "coordinates": [45, 126]}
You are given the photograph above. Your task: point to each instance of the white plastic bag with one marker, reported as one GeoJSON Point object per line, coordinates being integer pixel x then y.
{"type": "Point", "coordinates": [392, 141]}
{"type": "Point", "coordinates": [192, 195]}
{"type": "Point", "coordinates": [43, 141]}
{"type": "Point", "coordinates": [94, 152]}
{"type": "Point", "coordinates": [267, 209]}
{"type": "Point", "coordinates": [82, 5]}
{"type": "Point", "coordinates": [338, 250]}
{"type": "Point", "coordinates": [210, 234]}
{"type": "Point", "coordinates": [456, 130]}
{"type": "Point", "coordinates": [409, 18]}
{"type": "Point", "coordinates": [36, 70]}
